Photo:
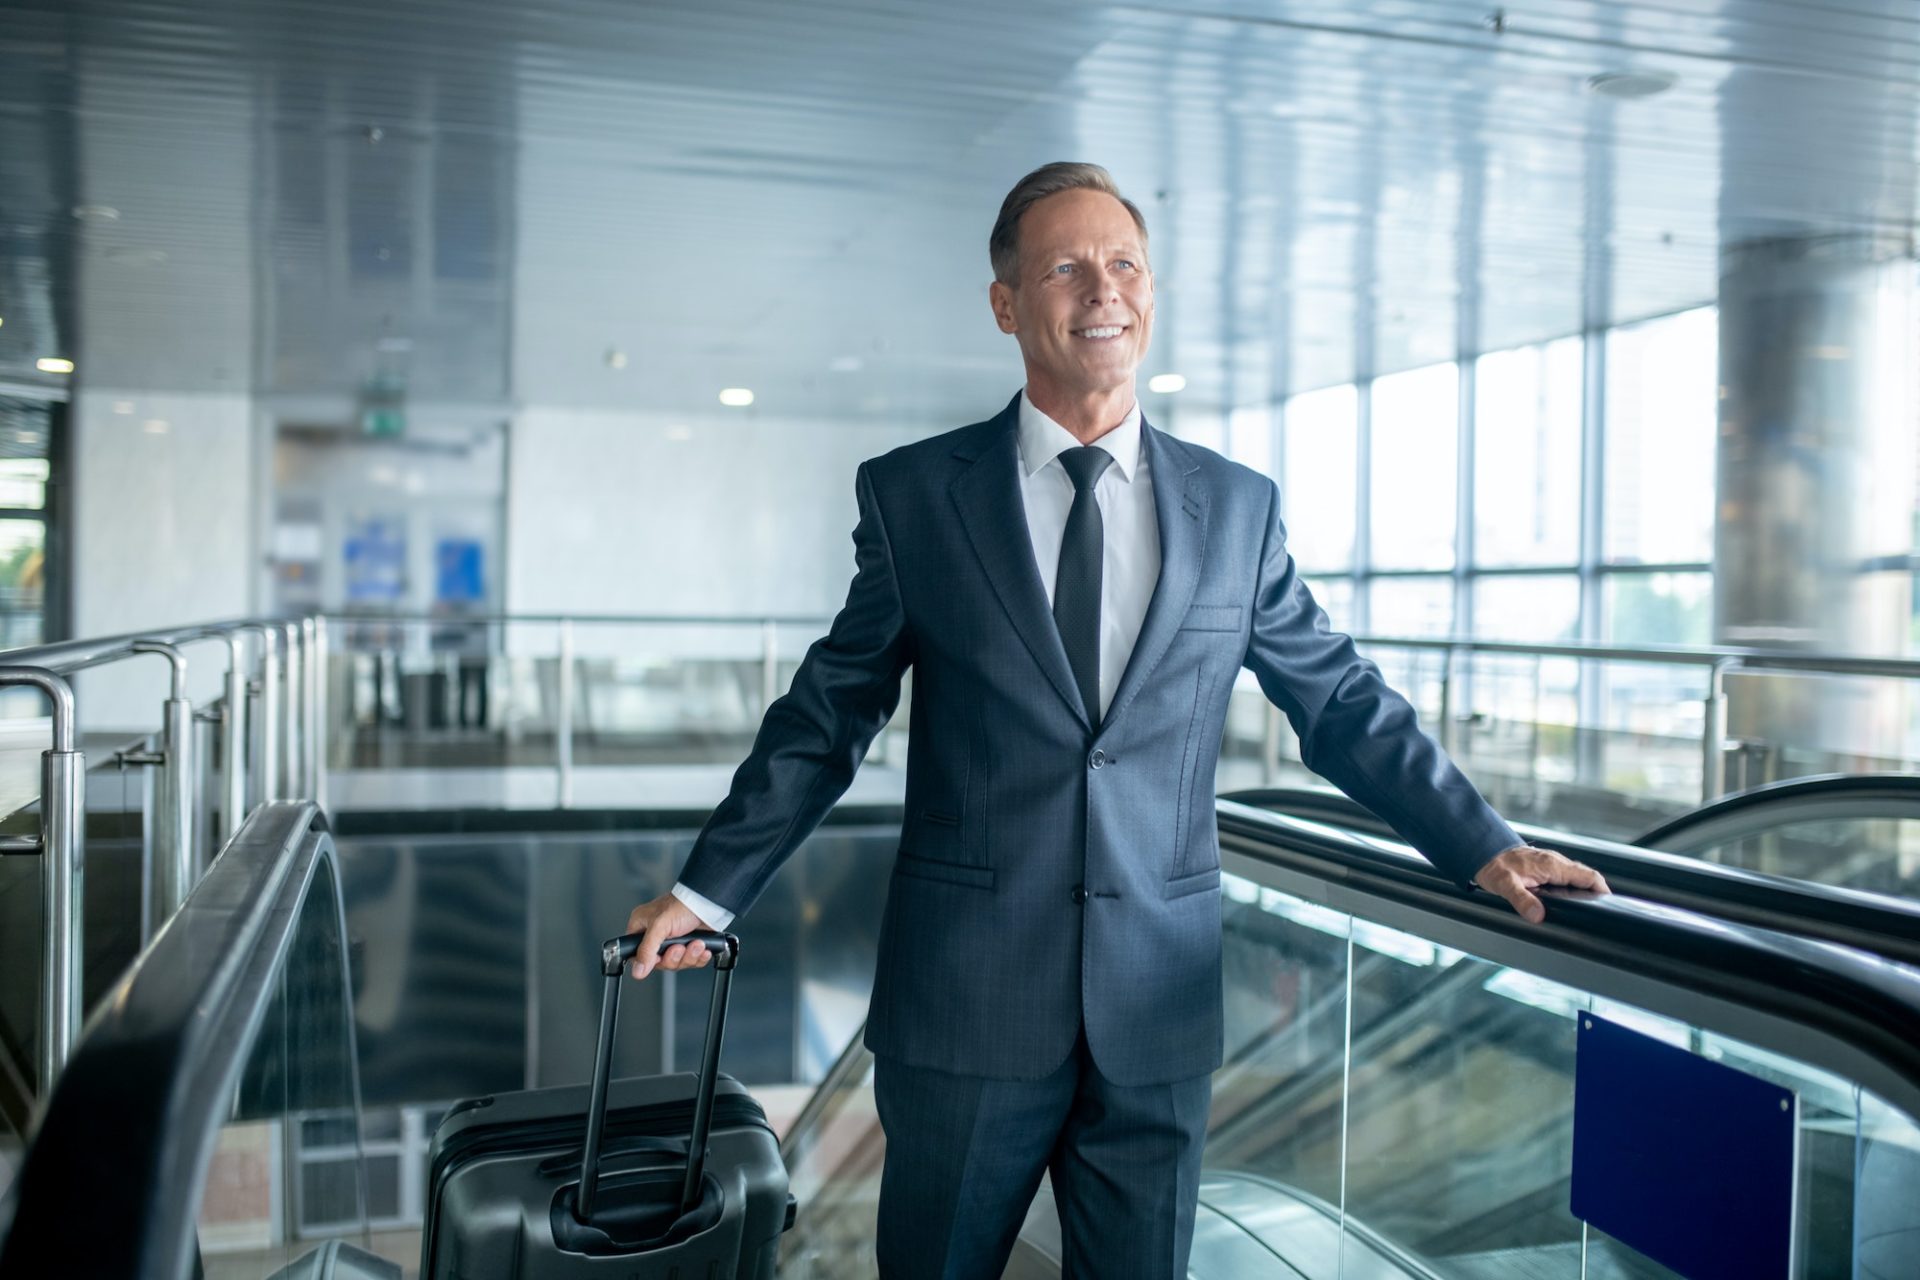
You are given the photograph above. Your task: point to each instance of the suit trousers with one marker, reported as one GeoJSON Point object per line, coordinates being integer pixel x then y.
{"type": "Point", "coordinates": [965, 1155]}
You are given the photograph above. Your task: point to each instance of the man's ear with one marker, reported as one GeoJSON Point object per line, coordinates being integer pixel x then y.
{"type": "Point", "coordinates": [1000, 297]}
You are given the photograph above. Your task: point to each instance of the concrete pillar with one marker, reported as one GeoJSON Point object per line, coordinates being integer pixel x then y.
{"type": "Point", "coordinates": [1816, 480]}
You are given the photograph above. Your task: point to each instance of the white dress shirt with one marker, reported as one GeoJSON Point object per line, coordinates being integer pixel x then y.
{"type": "Point", "coordinates": [1130, 562]}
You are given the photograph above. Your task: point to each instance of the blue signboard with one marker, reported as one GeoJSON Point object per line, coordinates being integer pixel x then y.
{"type": "Point", "coordinates": [461, 572]}
{"type": "Point", "coordinates": [1685, 1159]}
{"type": "Point", "coordinates": [376, 560]}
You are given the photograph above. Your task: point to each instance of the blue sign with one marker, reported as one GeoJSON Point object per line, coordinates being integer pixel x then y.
{"type": "Point", "coordinates": [1685, 1159]}
{"type": "Point", "coordinates": [461, 572]}
{"type": "Point", "coordinates": [376, 561]}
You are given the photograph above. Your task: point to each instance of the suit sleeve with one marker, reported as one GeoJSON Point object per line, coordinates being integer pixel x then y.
{"type": "Point", "coordinates": [1354, 729]}
{"type": "Point", "coordinates": [813, 737]}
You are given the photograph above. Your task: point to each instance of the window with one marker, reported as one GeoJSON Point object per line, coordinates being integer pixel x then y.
{"type": "Point", "coordinates": [27, 428]}
{"type": "Point", "coordinates": [1526, 456]}
{"type": "Point", "coordinates": [1321, 465]}
{"type": "Point", "coordinates": [1410, 607]}
{"type": "Point", "coordinates": [1660, 439]}
{"type": "Point", "coordinates": [1416, 457]}
{"type": "Point", "coordinates": [1658, 608]}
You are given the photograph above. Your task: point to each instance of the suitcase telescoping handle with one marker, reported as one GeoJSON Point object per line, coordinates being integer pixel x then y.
{"type": "Point", "coordinates": [614, 955]}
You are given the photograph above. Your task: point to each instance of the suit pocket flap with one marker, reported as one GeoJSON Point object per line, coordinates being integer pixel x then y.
{"type": "Point", "coordinates": [1213, 617]}
{"type": "Point", "coordinates": [908, 864]}
{"type": "Point", "coordinates": [1198, 882]}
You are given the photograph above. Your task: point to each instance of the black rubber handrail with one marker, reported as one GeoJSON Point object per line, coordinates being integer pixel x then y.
{"type": "Point", "coordinates": [1873, 922]}
{"type": "Point", "coordinates": [1863, 1002]}
{"type": "Point", "coordinates": [1777, 804]}
{"type": "Point", "coordinates": [112, 1178]}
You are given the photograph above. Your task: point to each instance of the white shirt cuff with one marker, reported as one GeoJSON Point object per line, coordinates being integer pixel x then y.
{"type": "Point", "coordinates": [712, 914]}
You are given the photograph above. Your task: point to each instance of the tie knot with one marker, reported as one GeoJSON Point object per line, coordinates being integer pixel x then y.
{"type": "Point", "coordinates": [1085, 465]}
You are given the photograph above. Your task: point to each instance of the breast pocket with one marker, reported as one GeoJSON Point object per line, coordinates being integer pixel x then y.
{"type": "Point", "coordinates": [1213, 617]}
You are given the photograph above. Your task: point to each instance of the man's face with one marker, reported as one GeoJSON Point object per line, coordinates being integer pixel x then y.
{"type": "Point", "coordinates": [1081, 304]}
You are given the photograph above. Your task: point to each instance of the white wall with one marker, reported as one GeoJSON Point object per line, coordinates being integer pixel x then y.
{"type": "Point", "coordinates": [162, 535]}
{"type": "Point", "coordinates": [726, 514]}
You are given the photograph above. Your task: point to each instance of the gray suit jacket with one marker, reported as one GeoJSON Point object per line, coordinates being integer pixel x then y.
{"type": "Point", "coordinates": [1050, 872]}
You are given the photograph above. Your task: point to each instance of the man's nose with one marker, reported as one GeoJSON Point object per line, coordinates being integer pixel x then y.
{"type": "Point", "coordinates": [1104, 288]}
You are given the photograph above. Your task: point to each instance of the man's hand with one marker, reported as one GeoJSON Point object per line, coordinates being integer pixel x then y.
{"type": "Point", "coordinates": [665, 917]}
{"type": "Point", "coordinates": [1515, 873]}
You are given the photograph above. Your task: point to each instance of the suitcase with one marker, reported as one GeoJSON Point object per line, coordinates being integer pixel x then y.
{"type": "Point", "coordinates": [682, 1176]}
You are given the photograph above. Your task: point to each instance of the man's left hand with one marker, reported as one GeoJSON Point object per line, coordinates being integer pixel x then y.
{"type": "Point", "coordinates": [1515, 873]}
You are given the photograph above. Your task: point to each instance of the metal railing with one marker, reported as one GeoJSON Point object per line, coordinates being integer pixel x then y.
{"type": "Point", "coordinates": [271, 763]}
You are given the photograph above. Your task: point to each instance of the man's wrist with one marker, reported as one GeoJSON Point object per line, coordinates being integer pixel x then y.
{"type": "Point", "coordinates": [711, 913]}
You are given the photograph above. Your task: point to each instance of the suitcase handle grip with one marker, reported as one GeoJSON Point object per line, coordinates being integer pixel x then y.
{"type": "Point", "coordinates": [615, 953]}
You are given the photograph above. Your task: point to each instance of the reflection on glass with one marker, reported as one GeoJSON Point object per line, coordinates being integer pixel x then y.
{"type": "Point", "coordinates": [1321, 466]}
{"type": "Point", "coordinates": [1415, 457]}
{"type": "Point", "coordinates": [833, 1169]}
{"type": "Point", "coordinates": [1660, 414]}
{"type": "Point", "coordinates": [1526, 455]}
{"type": "Point", "coordinates": [23, 585]}
{"type": "Point", "coordinates": [1881, 855]}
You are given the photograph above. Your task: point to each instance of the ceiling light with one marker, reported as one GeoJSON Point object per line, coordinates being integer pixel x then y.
{"type": "Point", "coordinates": [845, 364]}
{"type": "Point", "coordinates": [53, 364]}
{"type": "Point", "coordinates": [2, 320]}
{"type": "Point", "coordinates": [679, 431]}
{"type": "Point", "coordinates": [1631, 84]}
{"type": "Point", "coordinates": [123, 407]}
{"type": "Point", "coordinates": [1166, 383]}
{"type": "Point", "coordinates": [136, 257]}
{"type": "Point", "coordinates": [96, 213]}
{"type": "Point", "coordinates": [616, 358]}
{"type": "Point", "coordinates": [155, 426]}
{"type": "Point", "coordinates": [736, 397]}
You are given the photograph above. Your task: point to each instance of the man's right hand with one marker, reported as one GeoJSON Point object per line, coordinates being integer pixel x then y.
{"type": "Point", "coordinates": [665, 917]}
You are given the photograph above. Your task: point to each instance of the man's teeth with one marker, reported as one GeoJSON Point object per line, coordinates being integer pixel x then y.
{"type": "Point", "coordinates": [1112, 331]}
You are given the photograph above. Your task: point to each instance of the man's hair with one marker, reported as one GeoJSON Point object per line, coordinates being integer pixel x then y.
{"type": "Point", "coordinates": [1003, 246]}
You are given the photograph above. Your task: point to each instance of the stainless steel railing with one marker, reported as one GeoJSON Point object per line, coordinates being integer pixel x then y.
{"type": "Point", "coordinates": [270, 764]}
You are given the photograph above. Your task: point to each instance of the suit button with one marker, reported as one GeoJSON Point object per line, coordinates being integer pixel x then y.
{"type": "Point", "coordinates": [1097, 759]}
{"type": "Point", "coordinates": [1079, 894]}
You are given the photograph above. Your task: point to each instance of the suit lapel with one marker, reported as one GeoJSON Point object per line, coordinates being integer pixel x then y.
{"type": "Point", "coordinates": [993, 513]}
{"type": "Point", "coordinates": [1180, 511]}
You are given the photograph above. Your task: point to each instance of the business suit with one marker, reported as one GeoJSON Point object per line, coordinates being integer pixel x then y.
{"type": "Point", "coordinates": [1057, 884]}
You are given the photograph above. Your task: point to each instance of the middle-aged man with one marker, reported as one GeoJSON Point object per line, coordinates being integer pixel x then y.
{"type": "Point", "coordinates": [1075, 592]}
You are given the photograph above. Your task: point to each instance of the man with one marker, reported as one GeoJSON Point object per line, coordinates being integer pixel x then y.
{"type": "Point", "coordinates": [1075, 592]}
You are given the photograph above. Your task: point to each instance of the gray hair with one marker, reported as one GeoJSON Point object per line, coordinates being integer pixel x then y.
{"type": "Point", "coordinates": [1003, 246]}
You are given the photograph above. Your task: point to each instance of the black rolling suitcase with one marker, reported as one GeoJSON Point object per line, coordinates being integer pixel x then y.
{"type": "Point", "coordinates": [683, 1178]}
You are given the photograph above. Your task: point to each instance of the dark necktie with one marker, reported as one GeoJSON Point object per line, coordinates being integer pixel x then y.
{"type": "Point", "coordinates": [1076, 586]}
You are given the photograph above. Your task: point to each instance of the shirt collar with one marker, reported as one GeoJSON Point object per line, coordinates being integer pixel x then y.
{"type": "Point", "coordinates": [1042, 440]}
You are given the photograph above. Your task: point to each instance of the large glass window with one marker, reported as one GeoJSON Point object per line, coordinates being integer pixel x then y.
{"type": "Point", "coordinates": [1335, 598]}
{"type": "Point", "coordinates": [1250, 437]}
{"type": "Point", "coordinates": [1661, 408]}
{"type": "Point", "coordinates": [1415, 606]}
{"type": "Point", "coordinates": [1658, 608]}
{"type": "Point", "coordinates": [1416, 456]}
{"type": "Point", "coordinates": [1322, 463]}
{"type": "Point", "coordinates": [1526, 455]}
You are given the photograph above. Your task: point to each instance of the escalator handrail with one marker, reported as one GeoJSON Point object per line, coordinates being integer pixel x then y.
{"type": "Point", "coordinates": [1899, 791]}
{"type": "Point", "coordinates": [1859, 1013]}
{"type": "Point", "coordinates": [1873, 922]}
{"type": "Point", "coordinates": [111, 1180]}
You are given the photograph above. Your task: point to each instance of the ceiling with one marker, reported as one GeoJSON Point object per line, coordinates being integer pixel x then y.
{"type": "Point", "coordinates": [498, 201]}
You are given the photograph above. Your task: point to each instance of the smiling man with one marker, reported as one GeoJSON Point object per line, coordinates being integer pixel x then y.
{"type": "Point", "coordinates": [1075, 592]}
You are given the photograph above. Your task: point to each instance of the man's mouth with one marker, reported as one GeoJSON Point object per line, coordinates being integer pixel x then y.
{"type": "Point", "coordinates": [1103, 333]}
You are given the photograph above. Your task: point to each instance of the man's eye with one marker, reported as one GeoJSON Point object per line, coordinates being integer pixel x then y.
{"type": "Point", "coordinates": [1063, 268]}
{"type": "Point", "coordinates": [1125, 264]}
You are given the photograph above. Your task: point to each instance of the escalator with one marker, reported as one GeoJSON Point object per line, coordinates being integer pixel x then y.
{"type": "Point", "coordinates": [1397, 1099]}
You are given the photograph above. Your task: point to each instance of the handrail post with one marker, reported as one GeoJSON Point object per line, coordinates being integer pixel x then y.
{"type": "Point", "coordinates": [269, 734]}
{"type": "Point", "coordinates": [769, 663]}
{"type": "Point", "coordinates": [563, 728]}
{"type": "Point", "coordinates": [1713, 735]}
{"type": "Point", "coordinates": [290, 727]}
{"type": "Point", "coordinates": [233, 747]}
{"type": "Point", "coordinates": [317, 752]}
{"type": "Point", "coordinates": [63, 785]}
{"type": "Point", "coordinates": [172, 840]}
{"type": "Point", "coordinates": [1446, 700]}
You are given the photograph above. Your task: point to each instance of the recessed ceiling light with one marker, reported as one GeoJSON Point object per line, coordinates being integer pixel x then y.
{"type": "Point", "coordinates": [123, 407]}
{"type": "Point", "coordinates": [845, 364]}
{"type": "Point", "coordinates": [155, 426]}
{"type": "Point", "coordinates": [96, 213]}
{"type": "Point", "coordinates": [53, 364]}
{"type": "Point", "coordinates": [736, 397]}
{"type": "Point", "coordinates": [1167, 383]}
{"type": "Point", "coordinates": [616, 358]}
{"type": "Point", "coordinates": [3, 319]}
{"type": "Point", "coordinates": [1631, 84]}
